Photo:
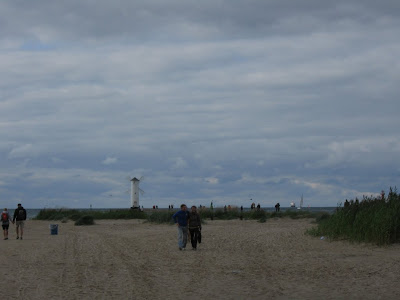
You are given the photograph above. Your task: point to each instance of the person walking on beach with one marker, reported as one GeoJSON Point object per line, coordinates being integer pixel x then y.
{"type": "Point", "coordinates": [19, 217]}
{"type": "Point", "coordinates": [181, 219]}
{"type": "Point", "coordinates": [194, 223]}
{"type": "Point", "coordinates": [5, 222]}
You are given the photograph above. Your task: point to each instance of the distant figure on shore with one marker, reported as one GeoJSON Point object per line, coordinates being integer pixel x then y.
{"type": "Point", "coordinates": [241, 208]}
{"type": "Point", "coordinates": [181, 218]}
{"type": "Point", "coordinates": [5, 222]}
{"type": "Point", "coordinates": [258, 207]}
{"type": "Point", "coordinates": [253, 206]}
{"type": "Point", "coordinates": [277, 207]}
{"type": "Point", "coordinates": [194, 224]}
{"type": "Point", "coordinates": [346, 203]}
{"type": "Point", "coordinates": [19, 218]}
{"type": "Point", "coordinates": [225, 209]}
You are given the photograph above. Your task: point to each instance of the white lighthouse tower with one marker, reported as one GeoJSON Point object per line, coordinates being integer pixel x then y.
{"type": "Point", "coordinates": [135, 192]}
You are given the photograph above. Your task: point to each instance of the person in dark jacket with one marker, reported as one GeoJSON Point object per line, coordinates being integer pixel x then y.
{"type": "Point", "coordinates": [194, 227]}
{"type": "Point", "coordinates": [19, 218]}
{"type": "Point", "coordinates": [180, 219]}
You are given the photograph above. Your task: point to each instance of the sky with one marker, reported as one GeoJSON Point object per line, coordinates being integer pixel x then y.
{"type": "Point", "coordinates": [230, 101]}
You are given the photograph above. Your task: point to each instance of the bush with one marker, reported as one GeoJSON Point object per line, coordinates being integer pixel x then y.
{"type": "Point", "coordinates": [255, 214]}
{"type": "Point", "coordinates": [262, 219]}
{"type": "Point", "coordinates": [206, 213]}
{"type": "Point", "coordinates": [75, 217]}
{"type": "Point", "coordinates": [161, 217]}
{"type": "Point", "coordinates": [74, 214]}
{"type": "Point", "coordinates": [118, 214]}
{"type": "Point", "coordinates": [322, 216]}
{"type": "Point", "coordinates": [372, 220]}
{"type": "Point", "coordinates": [56, 214]}
{"type": "Point", "coordinates": [85, 220]}
{"type": "Point", "coordinates": [222, 214]}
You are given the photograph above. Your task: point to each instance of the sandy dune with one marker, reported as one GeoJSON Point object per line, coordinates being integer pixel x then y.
{"type": "Point", "coordinates": [237, 260]}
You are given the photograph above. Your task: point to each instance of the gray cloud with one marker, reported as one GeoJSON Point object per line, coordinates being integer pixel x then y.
{"type": "Point", "coordinates": [208, 101]}
{"type": "Point", "coordinates": [165, 20]}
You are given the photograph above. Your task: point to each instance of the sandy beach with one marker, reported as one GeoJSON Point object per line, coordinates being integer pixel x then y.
{"type": "Point", "coordinates": [132, 259]}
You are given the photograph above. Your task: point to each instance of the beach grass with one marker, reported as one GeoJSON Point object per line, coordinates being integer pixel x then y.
{"type": "Point", "coordinates": [372, 220]}
{"type": "Point", "coordinates": [160, 216]}
{"type": "Point", "coordinates": [165, 216]}
{"type": "Point", "coordinates": [75, 214]}
{"type": "Point", "coordinates": [85, 220]}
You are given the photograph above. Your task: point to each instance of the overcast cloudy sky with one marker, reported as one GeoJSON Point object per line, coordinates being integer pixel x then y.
{"type": "Point", "coordinates": [208, 100]}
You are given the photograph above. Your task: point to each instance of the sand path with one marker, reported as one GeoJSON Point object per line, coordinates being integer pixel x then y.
{"type": "Point", "coordinates": [237, 260]}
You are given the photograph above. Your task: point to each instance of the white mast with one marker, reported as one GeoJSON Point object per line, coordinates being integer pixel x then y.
{"type": "Point", "coordinates": [301, 202]}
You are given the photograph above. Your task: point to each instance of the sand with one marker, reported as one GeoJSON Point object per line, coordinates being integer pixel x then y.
{"type": "Point", "coordinates": [132, 259]}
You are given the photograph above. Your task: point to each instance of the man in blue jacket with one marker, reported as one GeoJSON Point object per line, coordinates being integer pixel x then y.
{"type": "Point", "coordinates": [180, 219]}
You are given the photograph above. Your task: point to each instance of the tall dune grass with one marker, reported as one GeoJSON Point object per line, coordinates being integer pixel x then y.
{"type": "Point", "coordinates": [373, 220]}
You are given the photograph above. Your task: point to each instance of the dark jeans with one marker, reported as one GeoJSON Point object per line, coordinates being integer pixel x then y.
{"type": "Point", "coordinates": [195, 236]}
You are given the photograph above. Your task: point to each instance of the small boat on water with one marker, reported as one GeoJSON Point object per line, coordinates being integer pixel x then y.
{"type": "Point", "coordinates": [301, 203]}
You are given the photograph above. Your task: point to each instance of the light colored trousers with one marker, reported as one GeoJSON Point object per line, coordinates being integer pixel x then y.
{"type": "Point", "coordinates": [182, 236]}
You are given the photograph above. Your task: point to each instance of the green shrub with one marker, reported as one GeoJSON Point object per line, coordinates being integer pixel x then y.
{"type": "Point", "coordinates": [160, 216]}
{"type": "Point", "coordinates": [55, 214]}
{"type": "Point", "coordinates": [372, 220]}
{"type": "Point", "coordinates": [85, 220]}
{"type": "Point", "coordinates": [222, 214]}
{"type": "Point", "coordinates": [298, 214]}
{"type": "Point", "coordinates": [206, 213]}
{"type": "Point", "coordinates": [321, 216]}
{"type": "Point", "coordinates": [74, 214]}
{"type": "Point", "coordinates": [75, 217]}
{"type": "Point", "coordinates": [255, 214]}
{"type": "Point", "coordinates": [262, 219]}
{"type": "Point", "coordinates": [276, 214]}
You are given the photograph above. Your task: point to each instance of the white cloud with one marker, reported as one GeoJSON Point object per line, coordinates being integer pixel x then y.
{"type": "Point", "coordinates": [109, 161]}
{"type": "Point", "coordinates": [22, 151]}
{"type": "Point", "coordinates": [212, 180]}
{"type": "Point", "coordinates": [56, 160]}
{"type": "Point", "coordinates": [179, 163]}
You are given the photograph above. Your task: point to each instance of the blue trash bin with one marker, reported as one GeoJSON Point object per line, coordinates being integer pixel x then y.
{"type": "Point", "coordinates": [53, 229]}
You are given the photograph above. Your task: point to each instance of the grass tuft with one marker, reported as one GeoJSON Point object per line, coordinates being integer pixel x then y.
{"type": "Point", "coordinates": [85, 220]}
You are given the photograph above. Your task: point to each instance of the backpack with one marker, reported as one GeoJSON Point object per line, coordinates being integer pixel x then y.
{"type": "Point", "coordinates": [4, 217]}
{"type": "Point", "coordinates": [21, 214]}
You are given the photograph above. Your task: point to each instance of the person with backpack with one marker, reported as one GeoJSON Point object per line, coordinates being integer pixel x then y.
{"type": "Point", "coordinates": [5, 222]}
{"type": "Point", "coordinates": [19, 217]}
